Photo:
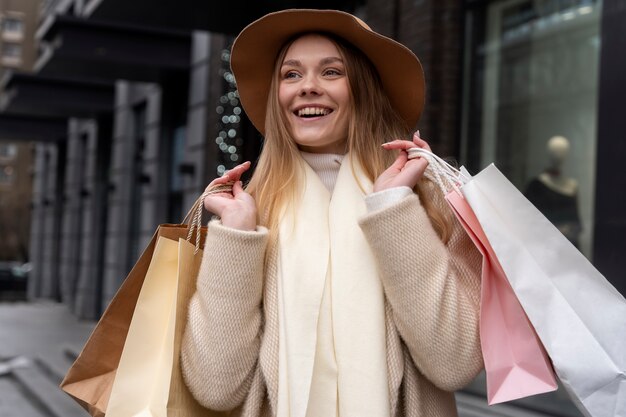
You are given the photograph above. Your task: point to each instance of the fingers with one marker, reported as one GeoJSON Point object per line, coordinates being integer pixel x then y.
{"type": "Point", "coordinates": [232, 175]}
{"type": "Point", "coordinates": [407, 144]}
{"type": "Point", "coordinates": [237, 188]}
{"type": "Point", "coordinates": [421, 143]}
{"type": "Point", "coordinates": [400, 161]}
{"type": "Point", "coordinates": [398, 144]}
{"type": "Point", "coordinates": [236, 173]}
{"type": "Point", "coordinates": [217, 181]}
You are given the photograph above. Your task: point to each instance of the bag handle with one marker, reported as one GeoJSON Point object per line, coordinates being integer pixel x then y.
{"type": "Point", "coordinates": [439, 171]}
{"type": "Point", "coordinates": [194, 215]}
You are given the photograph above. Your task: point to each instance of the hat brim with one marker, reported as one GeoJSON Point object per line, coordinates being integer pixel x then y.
{"type": "Point", "coordinates": [255, 50]}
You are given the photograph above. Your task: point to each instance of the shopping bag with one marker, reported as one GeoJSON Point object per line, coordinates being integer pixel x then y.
{"type": "Point", "coordinates": [155, 297]}
{"type": "Point", "coordinates": [181, 403]}
{"type": "Point", "coordinates": [90, 378]}
{"type": "Point", "coordinates": [516, 364]}
{"type": "Point", "coordinates": [578, 315]}
{"type": "Point", "coordinates": [148, 381]}
{"type": "Point", "coordinates": [143, 375]}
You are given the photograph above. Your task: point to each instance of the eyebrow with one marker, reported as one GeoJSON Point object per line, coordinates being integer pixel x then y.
{"type": "Point", "coordinates": [325, 61]}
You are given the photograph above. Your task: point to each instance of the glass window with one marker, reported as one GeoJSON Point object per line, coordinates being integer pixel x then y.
{"type": "Point", "coordinates": [530, 105]}
{"type": "Point", "coordinates": [7, 175]}
{"type": "Point", "coordinates": [12, 50]}
{"type": "Point", "coordinates": [8, 151]}
{"type": "Point", "coordinates": [12, 26]}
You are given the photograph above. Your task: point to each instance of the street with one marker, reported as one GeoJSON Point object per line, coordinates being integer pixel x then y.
{"type": "Point", "coordinates": [38, 343]}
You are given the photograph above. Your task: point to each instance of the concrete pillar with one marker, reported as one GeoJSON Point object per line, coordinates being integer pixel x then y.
{"type": "Point", "coordinates": [199, 112]}
{"type": "Point", "coordinates": [36, 228]}
{"type": "Point", "coordinates": [77, 209]}
{"type": "Point", "coordinates": [202, 154]}
{"type": "Point", "coordinates": [130, 217]}
{"type": "Point", "coordinates": [53, 191]}
{"type": "Point", "coordinates": [87, 281]}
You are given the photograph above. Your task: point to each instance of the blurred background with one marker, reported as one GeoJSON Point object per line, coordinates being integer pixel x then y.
{"type": "Point", "coordinates": [115, 114]}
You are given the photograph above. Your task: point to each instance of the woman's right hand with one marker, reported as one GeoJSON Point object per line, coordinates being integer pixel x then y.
{"type": "Point", "coordinates": [236, 209]}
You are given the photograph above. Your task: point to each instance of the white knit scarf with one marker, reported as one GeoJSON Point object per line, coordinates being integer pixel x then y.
{"type": "Point", "coordinates": [320, 239]}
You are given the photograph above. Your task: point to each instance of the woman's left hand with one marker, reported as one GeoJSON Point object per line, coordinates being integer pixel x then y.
{"type": "Point", "coordinates": [404, 171]}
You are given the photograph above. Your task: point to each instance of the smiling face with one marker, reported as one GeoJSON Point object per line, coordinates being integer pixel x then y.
{"type": "Point", "coordinates": [314, 95]}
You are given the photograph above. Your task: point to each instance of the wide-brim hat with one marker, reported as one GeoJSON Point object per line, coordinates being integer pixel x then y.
{"type": "Point", "coordinates": [255, 50]}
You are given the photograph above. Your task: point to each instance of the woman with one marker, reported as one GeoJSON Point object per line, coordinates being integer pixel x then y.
{"type": "Point", "coordinates": [328, 287]}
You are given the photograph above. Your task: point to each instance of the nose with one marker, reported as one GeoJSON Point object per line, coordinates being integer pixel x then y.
{"type": "Point", "coordinates": [310, 86]}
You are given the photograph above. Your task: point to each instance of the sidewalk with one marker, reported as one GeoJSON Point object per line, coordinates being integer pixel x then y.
{"type": "Point", "coordinates": [38, 343]}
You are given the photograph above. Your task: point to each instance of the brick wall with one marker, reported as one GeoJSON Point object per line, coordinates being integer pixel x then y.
{"type": "Point", "coordinates": [432, 29]}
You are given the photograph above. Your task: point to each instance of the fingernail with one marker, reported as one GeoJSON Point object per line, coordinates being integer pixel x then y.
{"type": "Point", "coordinates": [417, 132]}
{"type": "Point", "coordinates": [386, 143]}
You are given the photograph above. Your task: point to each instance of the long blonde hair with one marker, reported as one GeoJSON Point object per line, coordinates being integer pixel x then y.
{"type": "Point", "coordinates": [373, 121]}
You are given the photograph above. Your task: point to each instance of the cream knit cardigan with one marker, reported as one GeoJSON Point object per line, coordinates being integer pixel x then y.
{"type": "Point", "coordinates": [230, 348]}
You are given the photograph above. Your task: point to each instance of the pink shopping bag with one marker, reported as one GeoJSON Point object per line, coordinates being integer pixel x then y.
{"type": "Point", "coordinates": [516, 363]}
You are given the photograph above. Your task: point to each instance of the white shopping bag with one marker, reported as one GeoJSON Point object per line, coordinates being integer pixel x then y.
{"type": "Point", "coordinates": [578, 315]}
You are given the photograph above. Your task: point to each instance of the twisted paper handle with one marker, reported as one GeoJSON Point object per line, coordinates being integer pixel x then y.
{"type": "Point", "coordinates": [194, 216]}
{"type": "Point", "coordinates": [439, 171]}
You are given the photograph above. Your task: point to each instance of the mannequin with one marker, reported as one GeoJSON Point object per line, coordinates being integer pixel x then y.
{"type": "Point", "coordinates": [555, 194]}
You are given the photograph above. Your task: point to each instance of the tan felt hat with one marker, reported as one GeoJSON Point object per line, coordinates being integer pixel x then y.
{"type": "Point", "coordinates": [256, 48]}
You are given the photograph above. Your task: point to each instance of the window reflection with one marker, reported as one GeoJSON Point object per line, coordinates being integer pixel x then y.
{"type": "Point", "coordinates": [532, 71]}
{"type": "Point", "coordinates": [555, 193]}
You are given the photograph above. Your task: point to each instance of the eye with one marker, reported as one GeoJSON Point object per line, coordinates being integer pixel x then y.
{"type": "Point", "coordinates": [332, 72]}
{"type": "Point", "coordinates": [290, 75]}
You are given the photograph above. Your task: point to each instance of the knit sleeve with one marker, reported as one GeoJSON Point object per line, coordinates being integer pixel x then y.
{"type": "Point", "coordinates": [433, 289]}
{"type": "Point", "coordinates": [220, 347]}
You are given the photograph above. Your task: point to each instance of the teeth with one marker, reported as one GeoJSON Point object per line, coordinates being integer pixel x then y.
{"type": "Point", "coordinates": [313, 111]}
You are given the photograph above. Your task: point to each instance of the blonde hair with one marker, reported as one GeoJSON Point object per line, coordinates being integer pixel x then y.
{"type": "Point", "coordinates": [373, 122]}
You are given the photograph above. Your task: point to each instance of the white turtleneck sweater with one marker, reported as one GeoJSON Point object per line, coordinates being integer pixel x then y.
{"type": "Point", "coordinates": [326, 166]}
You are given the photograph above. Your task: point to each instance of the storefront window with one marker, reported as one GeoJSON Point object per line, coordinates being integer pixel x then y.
{"type": "Point", "coordinates": [530, 107]}
{"type": "Point", "coordinates": [531, 101]}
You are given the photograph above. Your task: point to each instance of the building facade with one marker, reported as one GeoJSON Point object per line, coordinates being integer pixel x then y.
{"type": "Point", "coordinates": [18, 22]}
{"type": "Point", "coordinates": [133, 110]}
{"type": "Point", "coordinates": [15, 198]}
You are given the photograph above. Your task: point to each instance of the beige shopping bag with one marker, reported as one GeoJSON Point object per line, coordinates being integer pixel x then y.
{"type": "Point", "coordinates": [130, 365]}
{"type": "Point", "coordinates": [142, 381]}
{"type": "Point", "coordinates": [180, 401]}
{"type": "Point", "coordinates": [149, 381]}
{"type": "Point", "coordinates": [90, 378]}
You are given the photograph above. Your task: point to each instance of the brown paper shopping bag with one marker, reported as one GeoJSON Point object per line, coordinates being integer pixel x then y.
{"type": "Point", "coordinates": [101, 365]}
{"type": "Point", "coordinates": [90, 378]}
